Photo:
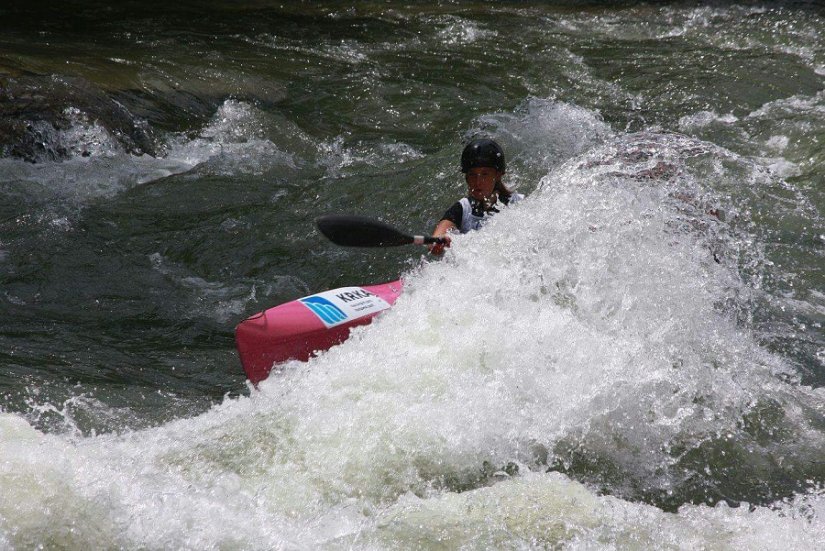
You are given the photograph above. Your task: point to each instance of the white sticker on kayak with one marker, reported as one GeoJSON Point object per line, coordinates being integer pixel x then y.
{"type": "Point", "coordinates": [345, 304]}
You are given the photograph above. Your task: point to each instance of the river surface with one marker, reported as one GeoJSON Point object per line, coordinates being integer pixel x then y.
{"type": "Point", "coordinates": [633, 357]}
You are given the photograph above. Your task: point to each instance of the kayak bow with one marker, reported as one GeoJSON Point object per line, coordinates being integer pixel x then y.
{"type": "Point", "coordinates": [299, 329]}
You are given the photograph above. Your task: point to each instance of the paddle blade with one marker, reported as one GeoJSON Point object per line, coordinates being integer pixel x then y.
{"type": "Point", "coordinates": [360, 231]}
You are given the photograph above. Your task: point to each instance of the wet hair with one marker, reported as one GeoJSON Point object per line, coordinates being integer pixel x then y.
{"type": "Point", "coordinates": [503, 191]}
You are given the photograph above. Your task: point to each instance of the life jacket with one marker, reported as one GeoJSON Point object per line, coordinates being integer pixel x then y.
{"type": "Point", "coordinates": [471, 220]}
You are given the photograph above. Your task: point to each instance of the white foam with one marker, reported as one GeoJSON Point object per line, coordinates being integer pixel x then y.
{"type": "Point", "coordinates": [336, 156]}
{"type": "Point", "coordinates": [778, 143]}
{"type": "Point", "coordinates": [798, 104]}
{"type": "Point", "coordinates": [232, 142]}
{"type": "Point", "coordinates": [455, 30]}
{"type": "Point", "coordinates": [543, 132]}
{"type": "Point", "coordinates": [781, 167]}
{"type": "Point", "coordinates": [705, 118]}
{"type": "Point", "coordinates": [549, 510]}
{"type": "Point", "coordinates": [593, 314]}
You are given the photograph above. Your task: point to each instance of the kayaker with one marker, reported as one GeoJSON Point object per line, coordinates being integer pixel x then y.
{"type": "Point", "coordinates": [483, 165]}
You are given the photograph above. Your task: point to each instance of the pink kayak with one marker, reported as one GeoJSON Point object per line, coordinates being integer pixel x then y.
{"type": "Point", "coordinates": [297, 330]}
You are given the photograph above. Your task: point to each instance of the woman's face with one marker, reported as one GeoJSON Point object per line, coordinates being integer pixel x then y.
{"type": "Point", "coordinates": [481, 181]}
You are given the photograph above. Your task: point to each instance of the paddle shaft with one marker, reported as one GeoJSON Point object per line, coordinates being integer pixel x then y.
{"type": "Point", "coordinates": [360, 231]}
{"type": "Point", "coordinates": [427, 240]}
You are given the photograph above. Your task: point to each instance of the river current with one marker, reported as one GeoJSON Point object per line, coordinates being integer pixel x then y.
{"type": "Point", "coordinates": [633, 357]}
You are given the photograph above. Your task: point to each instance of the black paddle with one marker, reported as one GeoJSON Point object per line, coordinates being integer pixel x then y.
{"type": "Point", "coordinates": [360, 231]}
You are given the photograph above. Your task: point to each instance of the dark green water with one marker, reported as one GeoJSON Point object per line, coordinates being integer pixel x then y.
{"type": "Point", "coordinates": [162, 165]}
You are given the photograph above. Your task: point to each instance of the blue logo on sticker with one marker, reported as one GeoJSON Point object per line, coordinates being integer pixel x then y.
{"type": "Point", "coordinates": [324, 309]}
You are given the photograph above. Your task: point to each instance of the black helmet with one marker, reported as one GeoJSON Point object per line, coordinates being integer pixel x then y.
{"type": "Point", "coordinates": [482, 152]}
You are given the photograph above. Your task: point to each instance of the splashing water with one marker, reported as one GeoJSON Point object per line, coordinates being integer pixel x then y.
{"type": "Point", "coordinates": [596, 323]}
{"type": "Point", "coordinates": [630, 358]}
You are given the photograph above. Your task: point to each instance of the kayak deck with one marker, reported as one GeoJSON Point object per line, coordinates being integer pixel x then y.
{"type": "Point", "coordinates": [298, 329]}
